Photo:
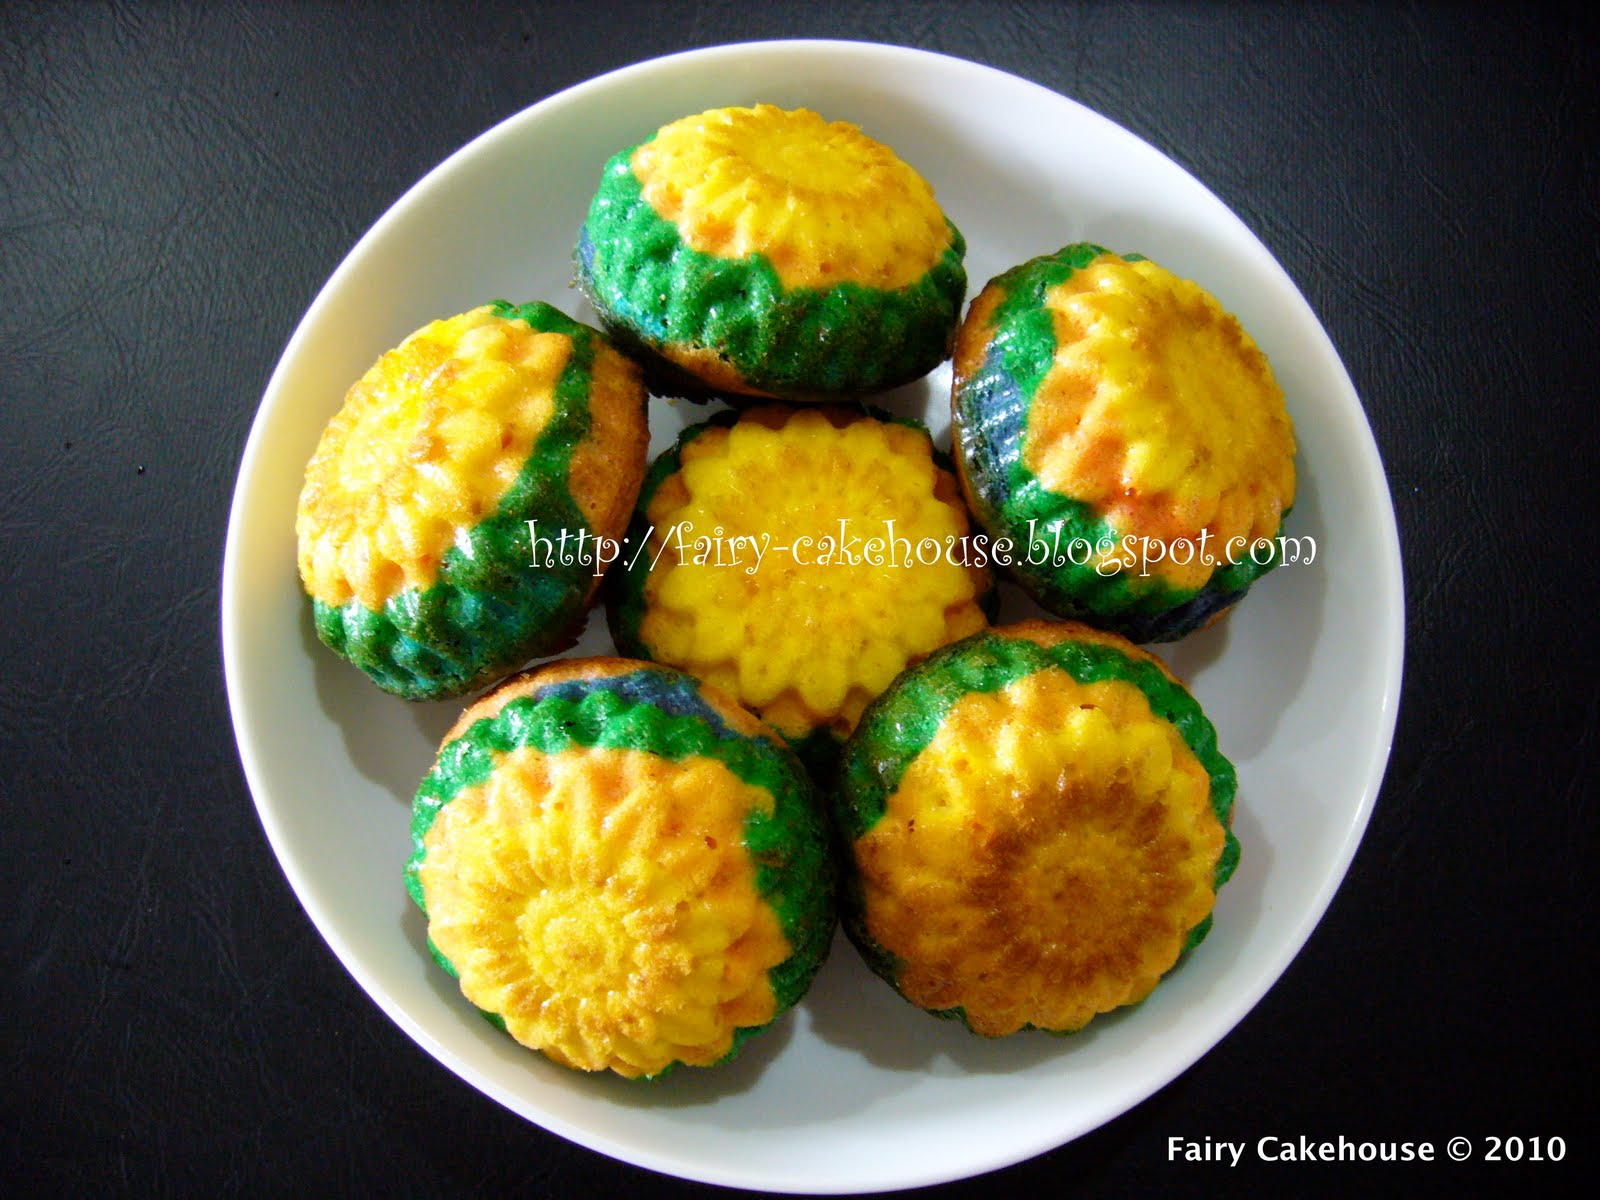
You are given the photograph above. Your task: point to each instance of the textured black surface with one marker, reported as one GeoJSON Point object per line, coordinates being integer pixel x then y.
{"type": "Point", "coordinates": [176, 181]}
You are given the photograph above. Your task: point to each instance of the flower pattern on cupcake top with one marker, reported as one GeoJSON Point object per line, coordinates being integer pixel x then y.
{"type": "Point", "coordinates": [427, 443]}
{"type": "Point", "coordinates": [762, 252]}
{"type": "Point", "coordinates": [1037, 825]}
{"type": "Point", "coordinates": [807, 637]}
{"type": "Point", "coordinates": [1118, 425]}
{"type": "Point", "coordinates": [623, 869]}
{"type": "Point", "coordinates": [590, 899]}
{"type": "Point", "coordinates": [413, 525]}
{"type": "Point", "coordinates": [1071, 902]}
{"type": "Point", "coordinates": [1148, 372]}
{"type": "Point", "coordinates": [819, 200]}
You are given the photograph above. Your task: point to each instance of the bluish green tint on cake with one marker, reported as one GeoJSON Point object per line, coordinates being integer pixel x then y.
{"type": "Point", "coordinates": [1123, 431]}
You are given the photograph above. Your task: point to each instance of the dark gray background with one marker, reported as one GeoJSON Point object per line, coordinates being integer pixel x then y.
{"type": "Point", "coordinates": [176, 182]}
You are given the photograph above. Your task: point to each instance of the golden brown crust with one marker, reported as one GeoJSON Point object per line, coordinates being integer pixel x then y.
{"type": "Point", "coordinates": [972, 336]}
{"type": "Point", "coordinates": [710, 367]}
{"type": "Point", "coordinates": [608, 466]}
{"type": "Point", "coordinates": [1045, 855]}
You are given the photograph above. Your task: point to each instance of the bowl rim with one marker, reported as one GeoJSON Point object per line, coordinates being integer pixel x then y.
{"type": "Point", "coordinates": [1390, 641]}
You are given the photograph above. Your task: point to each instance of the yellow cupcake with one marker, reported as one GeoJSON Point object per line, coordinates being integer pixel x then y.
{"type": "Point", "coordinates": [624, 870]}
{"type": "Point", "coordinates": [1119, 426]}
{"type": "Point", "coordinates": [415, 543]}
{"type": "Point", "coordinates": [1037, 819]}
{"type": "Point", "coordinates": [799, 559]}
{"type": "Point", "coordinates": [771, 253]}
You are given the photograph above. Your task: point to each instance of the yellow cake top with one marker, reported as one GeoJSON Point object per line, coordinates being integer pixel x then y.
{"type": "Point", "coordinates": [1162, 413]}
{"type": "Point", "coordinates": [602, 902]}
{"type": "Point", "coordinates": [427, 443]}
{"type": "Point", "coordinates": [806, 638]}
{"type": "Point", "coordinates": [821, 201]}
{"type": "Point", "coordinates": [1044, 857]}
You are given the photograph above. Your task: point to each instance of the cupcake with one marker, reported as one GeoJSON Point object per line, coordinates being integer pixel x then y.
{"type": "Point", "coordinates": [624, 870]}
{"type": "Point", "coordinates": [433, 502]}
{"type": "Point", "coordinates": [799, 559]}
{"type": "Point", "coordinates": [760, 252]}
{"type": "Point", "coordinates": [1037, 823]}
{"type": "Point", "coordinates": [1126, 436]}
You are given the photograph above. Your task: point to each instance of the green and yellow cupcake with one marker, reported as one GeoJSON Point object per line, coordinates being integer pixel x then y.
{"type": "Point", "coordinates": [624, 870]}
{"type": "Point", "coordinates": [799, 559]}
{"type": "Point", "coordinates": [1037, 819]}
{"type": "Point", "coordinates": [415, 542]}
{"type": "Point", "coordinates": [1123, 431]}
{"type": "Point", "coordinates": [761, 252]}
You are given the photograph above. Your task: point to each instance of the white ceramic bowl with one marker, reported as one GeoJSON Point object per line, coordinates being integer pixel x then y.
{"type": "Point", "coordinates": [855, 1090]}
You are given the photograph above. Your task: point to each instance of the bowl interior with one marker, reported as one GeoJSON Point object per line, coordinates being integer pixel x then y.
{"type": "Point", "coordinates": [855, 1090]}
